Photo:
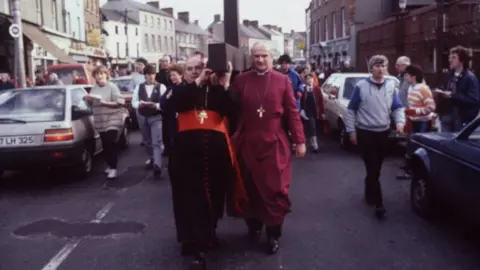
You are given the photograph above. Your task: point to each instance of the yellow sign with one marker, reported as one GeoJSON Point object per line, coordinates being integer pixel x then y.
{"type": "Point", "coordinates": [94, 37]}
{"type": "Point", "coordinates": [301, 44]}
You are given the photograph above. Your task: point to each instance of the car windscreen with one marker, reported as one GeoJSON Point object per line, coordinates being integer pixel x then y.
{"type": "Point", "coordinates": [32, 105]}
{"type": "Point", "coordinates": [123, 85]}
{"type": "Point", "coordinates": [350, 83]}
{"type": "Point", "coordinates": [65, 73]}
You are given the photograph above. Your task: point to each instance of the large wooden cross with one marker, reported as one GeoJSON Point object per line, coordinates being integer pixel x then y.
{"type": "Point", "coordinates": [219, 54]}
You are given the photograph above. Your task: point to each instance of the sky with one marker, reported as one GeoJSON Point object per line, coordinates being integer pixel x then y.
{"type": "Point", "coordinates": [288, 14]}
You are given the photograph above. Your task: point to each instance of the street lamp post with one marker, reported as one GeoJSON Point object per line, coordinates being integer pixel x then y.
{"type": "Point", "coordinates": [17, 34]}
{"type": "Point", "coordinates": [400, 25]}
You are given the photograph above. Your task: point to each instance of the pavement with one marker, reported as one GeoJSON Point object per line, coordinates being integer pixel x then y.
{"type": "Point", "coordinates": [54, 221]}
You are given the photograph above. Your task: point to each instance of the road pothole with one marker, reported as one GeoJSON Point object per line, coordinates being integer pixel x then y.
{"type": "Point", "coordinates": [63, 229]}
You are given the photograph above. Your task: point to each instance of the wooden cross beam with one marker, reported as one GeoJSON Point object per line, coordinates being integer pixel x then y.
{"type": "Point", "coordinates": [221, 53]}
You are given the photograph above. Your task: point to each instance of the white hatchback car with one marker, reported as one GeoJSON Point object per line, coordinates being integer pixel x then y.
{"type": "Point", "coordinates": [337, 90]}
{"type": "Point", "coordinates": [49, 126]}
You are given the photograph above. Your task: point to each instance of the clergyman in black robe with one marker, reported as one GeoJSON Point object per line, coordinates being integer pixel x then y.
{"type": "Point", "coordinates": [203, 171]}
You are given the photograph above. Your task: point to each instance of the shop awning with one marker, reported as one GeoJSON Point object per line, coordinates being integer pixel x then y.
{"type": "Point", "coordinates": [37, 36]}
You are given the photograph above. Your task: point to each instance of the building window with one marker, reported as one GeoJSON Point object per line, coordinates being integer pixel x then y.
{"type": "Point", "coordinates": [68, 24]}
{"type": "Point", "coordinates": [136, 32]}
{"type": "Point", "coordinates": [127, 53]}
{"type": "Point", "coordinates": [154, 46]}
{"type": "Point", "coordinates": [172, 44]}
{"type": "Point", "coordinates": [116, 29]}
{"type": "Point", "coordinates": [319, 31]}
{"type": "Point", "coordinates": [145, 42]}
{"type": "Point", "coordinates": [334, 25]}
{"type": "Point", "coordinates": [165, 42]}
{"type": "Point", "coordinates": [145, 20]}
{"type": "Point", "coordinates": [325, 27]}
{"type": "Point", "coordinates": [54, 14]}
{"type": "Point", "coordinates": [79, 25]}
{"type": "Point", "coordinates": [171, 25]}
{"type": "Point", "coordinates": [118, 49]}
{"type": "Point", "coordinates": [165, 24]}
{"type": "Point", "coordinates": [158, 22]}
{"type": "Point", "coordinates": [159, 41]}
{"type": "Point", "coordinates": [152, 22]}
{"type": "Point", "coordinates": [344, 22]}
{"type": "Point", "coordinates": [39, 11]}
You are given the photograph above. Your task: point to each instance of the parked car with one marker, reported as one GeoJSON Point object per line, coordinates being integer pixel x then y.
{"type": "Point", "coordinates": [337, 90]}
{"type": "Point", "coordinates": [124, 84]}
{"type": "Point", "coordinates": [49, 126]}
{"type": "Point", "coordinates": [446, 171]}
{"type": "Point", "coordinates": [65, 71]}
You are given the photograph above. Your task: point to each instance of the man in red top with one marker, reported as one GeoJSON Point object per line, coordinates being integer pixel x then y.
{"type": "Point", "coordinates": [266, 98]}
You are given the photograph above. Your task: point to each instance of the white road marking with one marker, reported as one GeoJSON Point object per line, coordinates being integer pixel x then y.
{"type": "Point", "coordinates": [63, 254]}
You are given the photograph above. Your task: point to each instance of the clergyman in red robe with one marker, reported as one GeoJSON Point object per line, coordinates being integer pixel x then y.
{"type": "Point", "coordinates": [266, 100]}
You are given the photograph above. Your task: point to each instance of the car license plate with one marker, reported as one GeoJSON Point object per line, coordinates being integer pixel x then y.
{"type": "Point", "coordinates": [17, 140]}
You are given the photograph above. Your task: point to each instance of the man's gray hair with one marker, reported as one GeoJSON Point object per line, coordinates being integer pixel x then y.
{"type": "Point", "coordinates": [377, 59]}
{"type": "Point", "coordinates": [404, 60]}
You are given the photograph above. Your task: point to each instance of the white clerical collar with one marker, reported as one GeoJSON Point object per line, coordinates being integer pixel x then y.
{"type": "Point", "coordinates": [262, 73]}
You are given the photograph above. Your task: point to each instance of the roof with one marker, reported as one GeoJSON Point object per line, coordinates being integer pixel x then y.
{"type": "Point", "coordinates": [116, 16]}
{"type": "Point", "coordinates": [132, 5]}
{"type": "Point", "coordinates": [270, 31]}
{"type": "Point", "coordinates": [243, 31]}
{"type": "Point", "coordinates": [190, 28]}
{"type": "Point", "coordinates": [255, 33]}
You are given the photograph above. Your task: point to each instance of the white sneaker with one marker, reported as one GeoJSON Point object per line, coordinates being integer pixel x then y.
{"type": "Point", "coordinates": [107, 170]}
{"type": "Point", "coordinates": [149, 162]}
{"type": "Point", "coordinates": [112, 174]}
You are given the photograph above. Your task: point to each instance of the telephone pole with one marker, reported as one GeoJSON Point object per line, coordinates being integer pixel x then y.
{"type": "Point", "coordinates": [16, 32]}
{"type": "Point", "coordinates": [127, 50]}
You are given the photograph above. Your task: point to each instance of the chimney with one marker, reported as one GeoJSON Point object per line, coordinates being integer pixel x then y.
{"type": "Point", "coordinates": [246, 23]}
{"type": "Point", "coordinates": [254, 24]}
{"type": "Point", "coordinates": [274, 27]}
{"type": "Point", "coordinates": [217, 18]}
{"type": "Point", "coordinates": [292, 32]}
{"type": "Point", "coordinates": [184, 16]}
{"type": "Point", "coordinates": [155, 4]}
{"type": "Point", "coordinates": [196, 22]}
{"type": "Point", "coordinates": [268, 26]}
{"type": "Point", "coordinates": [168, 10]}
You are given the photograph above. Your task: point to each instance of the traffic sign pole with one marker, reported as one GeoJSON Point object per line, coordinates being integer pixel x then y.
{"type": "Point", "coordinates": [15, 31]}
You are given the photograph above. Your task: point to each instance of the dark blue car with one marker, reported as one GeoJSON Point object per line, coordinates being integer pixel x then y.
{"type": "Point", "coordinates": [446, 171]}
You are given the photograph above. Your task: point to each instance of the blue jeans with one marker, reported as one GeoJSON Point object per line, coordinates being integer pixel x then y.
{"type": "Point", "coordinates": [450, 123]}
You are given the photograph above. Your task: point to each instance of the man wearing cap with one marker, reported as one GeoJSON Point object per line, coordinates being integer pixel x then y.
{"type": "Point", "coordinates": [373, 102]}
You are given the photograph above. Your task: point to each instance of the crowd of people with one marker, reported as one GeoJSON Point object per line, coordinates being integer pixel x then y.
{"type": "Point", "coordinates": [229, 139]}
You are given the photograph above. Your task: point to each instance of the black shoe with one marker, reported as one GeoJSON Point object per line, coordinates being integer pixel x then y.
{"type": "Point", "coordinates": [157, 172]}
{"type": "Point", "coordinates": [254, 235]}
{"type": "Point", "coordinates": [149, 164]}
{"type": "Point", "coordinates": [368, 201]}
{"type": "Point", "coordinates": [380, 212]}
{"type": "Point", "coordinates": [315, 151]}
{"type": "Point", "coordinates": [199, 263]}
{"type": "Point", "coordinates": [272, 246]}
{"type": "Point", "coordinates": [187, 249]}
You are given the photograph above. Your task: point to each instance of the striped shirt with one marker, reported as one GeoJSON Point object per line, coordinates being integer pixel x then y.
{"type": "Point", "coordinates": [421, 100]}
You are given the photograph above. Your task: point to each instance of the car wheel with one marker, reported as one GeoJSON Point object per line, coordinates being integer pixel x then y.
{"type": "Point", "coordinates": [344, 138]}
{"type": "Point", "coordinates": [85, 166]}
{"type": "Point", "coordinates": [421, 197]}
{"type": "Point", "coordinates": [124, 137]}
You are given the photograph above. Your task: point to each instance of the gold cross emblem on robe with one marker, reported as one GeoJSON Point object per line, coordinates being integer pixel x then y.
{"type": "Point", "coordinates": [202, 116]}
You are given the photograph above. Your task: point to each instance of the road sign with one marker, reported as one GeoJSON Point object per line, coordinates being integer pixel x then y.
{"type": "Point", "coordinates": [14, 30]}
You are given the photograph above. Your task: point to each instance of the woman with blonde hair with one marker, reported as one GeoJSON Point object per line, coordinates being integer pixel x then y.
{"type": "Point", "coordinates": [107, 103]}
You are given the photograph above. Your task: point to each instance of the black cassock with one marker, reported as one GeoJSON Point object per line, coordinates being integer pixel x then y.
{"type": "Point", "coordinates": [200, 166]}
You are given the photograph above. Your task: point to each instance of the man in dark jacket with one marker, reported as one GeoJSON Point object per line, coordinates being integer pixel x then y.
{"type": "Point", "coordinates": [460, 102]}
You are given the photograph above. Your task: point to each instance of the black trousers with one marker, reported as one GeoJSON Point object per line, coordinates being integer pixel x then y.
{"type": "Point", "coordinates": [166, 133]}
{"type": "Point", "coordinates": [373, 147]}
{"type": "Point", "coordinates": [274, 232]}
{"type": "Point", "coordinates": [110, 147]}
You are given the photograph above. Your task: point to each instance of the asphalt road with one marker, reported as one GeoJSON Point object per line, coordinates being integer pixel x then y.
{"type": "Point", "coordinates": [52, 222]}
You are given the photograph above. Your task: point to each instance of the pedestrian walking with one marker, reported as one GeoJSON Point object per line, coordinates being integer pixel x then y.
{"type": "Point", "coordinates": [163, 77]}
{"type": "Point", "coordinates": [371, 106]}
{"type": "Point", "coordinates": [459, 103]}
{"type": "Point", "coordinates": [401, 65]}
{"type": "Point", "coordinates": [147, 99]}
{"type": "Point", "coordinates": [137, 78]}
{"type": "Point", "coordinates": [202, 166]}
{"type": "Point", "coordinates": [313, 110]}
{"type": "Point", "coordinates": [266, 98]}
{"type": "Point", "coordinates": [107, 103]}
